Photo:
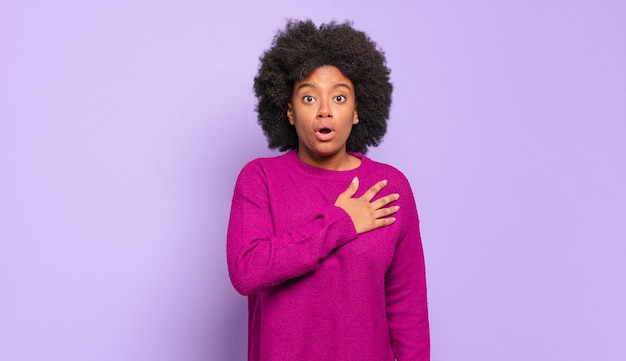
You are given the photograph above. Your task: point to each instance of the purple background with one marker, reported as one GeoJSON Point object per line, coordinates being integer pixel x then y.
{"type": "Point", "coordinates": [123, 125]}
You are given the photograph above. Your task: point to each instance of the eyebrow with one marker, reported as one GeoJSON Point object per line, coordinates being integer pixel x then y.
{"type": "Point", "coordinates": [338, 85]}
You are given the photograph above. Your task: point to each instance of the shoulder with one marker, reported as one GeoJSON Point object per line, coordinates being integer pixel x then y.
{"type": "Point", "coordinates": [385, 171]}
{"type": "Point", "coordinates": [260, 169]}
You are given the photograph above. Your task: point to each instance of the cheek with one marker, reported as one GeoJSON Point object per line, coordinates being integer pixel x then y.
{"type": "Point", "coordinates": [299, 127]}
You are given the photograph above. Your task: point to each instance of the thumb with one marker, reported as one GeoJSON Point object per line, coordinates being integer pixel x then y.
{"type": "Point", "coordinates": [352, 188]}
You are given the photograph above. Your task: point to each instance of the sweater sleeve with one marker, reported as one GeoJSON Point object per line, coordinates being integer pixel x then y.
{"type": "Point", "coordinates": [257, 257]}
{"type": "Point", "coordinates": [405, 289]}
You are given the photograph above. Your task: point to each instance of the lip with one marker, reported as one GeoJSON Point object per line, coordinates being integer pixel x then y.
{"type": "Point", "coordinates": [324, 137]}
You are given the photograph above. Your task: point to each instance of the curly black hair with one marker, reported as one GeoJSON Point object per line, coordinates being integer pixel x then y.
{"type": "Point", "coordinates": [300, 49]}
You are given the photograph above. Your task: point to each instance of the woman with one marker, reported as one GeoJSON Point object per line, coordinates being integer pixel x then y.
{"type": "Point", "coordinates": [323, 240]}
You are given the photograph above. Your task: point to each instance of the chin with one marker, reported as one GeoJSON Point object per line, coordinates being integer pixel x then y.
{"type": "Point", "coordinates": [327, 153]}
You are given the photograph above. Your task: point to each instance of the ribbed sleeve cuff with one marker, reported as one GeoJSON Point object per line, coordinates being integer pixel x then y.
{"type": "Point", "coordinates": [341, 228]}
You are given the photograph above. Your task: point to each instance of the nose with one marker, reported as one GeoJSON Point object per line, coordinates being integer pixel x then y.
{"type": "Point", "coordinates": [324, 111]}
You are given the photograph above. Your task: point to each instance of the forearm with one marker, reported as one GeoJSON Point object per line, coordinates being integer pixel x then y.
{"type": "Point", "coordinates": [258, 259]}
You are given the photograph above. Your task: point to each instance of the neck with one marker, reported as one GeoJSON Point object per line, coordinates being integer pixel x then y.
{"type": "Point", "coordinates": [338, 161]}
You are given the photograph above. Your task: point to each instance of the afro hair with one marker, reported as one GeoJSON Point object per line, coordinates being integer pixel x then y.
{"type": "Point", "coordinates": [301, 48]}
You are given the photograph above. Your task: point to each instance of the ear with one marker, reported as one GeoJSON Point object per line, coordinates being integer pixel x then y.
{"type": "Point", "coordinates": [290, 113]}
{"type": "Point", "coordinates": [355, 117]}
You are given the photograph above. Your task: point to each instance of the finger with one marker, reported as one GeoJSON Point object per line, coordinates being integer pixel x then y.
{"type": "Point", "coordinates": [373, 191]}
{"type": "Point", "coordinates": [352, 188]}
{"type": "Point", "coordinates": [385, 212]}
{"type": "Point", "coordinates": [381, 222]}
{"type": "Point", "coordinates": [381, 202]}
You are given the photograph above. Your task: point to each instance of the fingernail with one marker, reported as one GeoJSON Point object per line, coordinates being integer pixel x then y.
{"type": "Point", "coordinates": [355, 180]}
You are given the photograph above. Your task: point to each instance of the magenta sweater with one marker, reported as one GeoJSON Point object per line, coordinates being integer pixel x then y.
{"type": "Point", "coordinates": [317, 290]}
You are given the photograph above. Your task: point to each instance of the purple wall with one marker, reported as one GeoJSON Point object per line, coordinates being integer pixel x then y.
{"type": "Point", "coordinates": [123, 125]}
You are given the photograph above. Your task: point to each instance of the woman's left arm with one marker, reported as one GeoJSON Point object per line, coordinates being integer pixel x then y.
{"type": "Point", "coordinates": [405, 287]}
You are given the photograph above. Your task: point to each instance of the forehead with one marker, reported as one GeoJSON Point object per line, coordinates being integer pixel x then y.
{"type": "Point", "coordinates": [324, 76]}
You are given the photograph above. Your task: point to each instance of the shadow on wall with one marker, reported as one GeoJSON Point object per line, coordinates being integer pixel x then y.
{"type": "Point", "coordinates": [230, 330]}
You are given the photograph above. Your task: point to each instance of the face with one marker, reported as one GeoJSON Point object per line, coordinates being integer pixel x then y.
{"type": "Point", "coordinates": [323, 111]}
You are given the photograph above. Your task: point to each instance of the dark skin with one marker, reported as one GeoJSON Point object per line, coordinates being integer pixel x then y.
{"type": "Point", "coordinates": [323, 111]}
{"type": "Point", "coordinates": [367, 215]}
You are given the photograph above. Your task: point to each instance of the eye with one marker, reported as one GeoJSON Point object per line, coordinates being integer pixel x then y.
{"type": "Point", "coordinates": [340, 98]}
{"type": "Point", "coordinates": [308, 99]}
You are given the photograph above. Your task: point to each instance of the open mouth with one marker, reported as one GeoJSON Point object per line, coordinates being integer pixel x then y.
{"type": "Point", "coordinates": [325, 133]}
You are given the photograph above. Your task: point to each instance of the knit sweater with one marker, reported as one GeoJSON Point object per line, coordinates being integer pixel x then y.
{"type": "Point", "coordinates": [316, 289]}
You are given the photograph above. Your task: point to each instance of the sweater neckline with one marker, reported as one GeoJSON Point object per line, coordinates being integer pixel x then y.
{"type": "Point", "coordinates": [327, 174]}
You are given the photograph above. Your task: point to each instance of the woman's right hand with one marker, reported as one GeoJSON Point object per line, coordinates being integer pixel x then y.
{"type": "Point", "coordinates": [367, 215]}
